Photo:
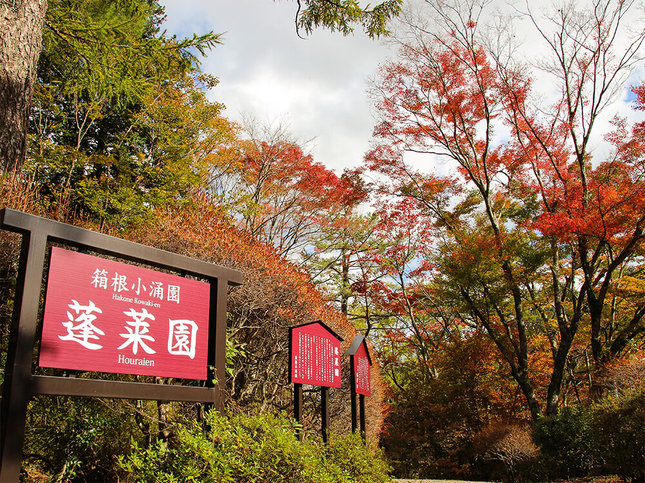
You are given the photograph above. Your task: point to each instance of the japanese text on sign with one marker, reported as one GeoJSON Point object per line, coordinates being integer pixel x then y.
{"type": "Point", "coordinates": [106, 316]}
{"type": "Point", "coordinates": [315, 356]}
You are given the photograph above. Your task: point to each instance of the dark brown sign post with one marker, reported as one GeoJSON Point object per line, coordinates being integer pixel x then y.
{"type": "Point", "coordinates": [360, 363]}
{"type": "Point", "coordinates": [101, 315]}
{"type": "Point", "coordinates": [314, 359]}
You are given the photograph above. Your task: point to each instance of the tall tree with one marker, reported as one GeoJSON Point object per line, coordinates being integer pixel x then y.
{"type": "Point", "coordinates": [278, 192]}
{"type": "Point", "coordinates": [115, 99]}
{"type": "Point", "coordinates": [21, 23]}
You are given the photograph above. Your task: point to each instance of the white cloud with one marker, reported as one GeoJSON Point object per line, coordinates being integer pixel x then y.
{"type": "Point", "coordinates": [317, 85]}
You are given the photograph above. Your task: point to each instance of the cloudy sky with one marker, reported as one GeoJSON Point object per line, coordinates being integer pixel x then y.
{"type": "Point", "coordinates": [316, 86]}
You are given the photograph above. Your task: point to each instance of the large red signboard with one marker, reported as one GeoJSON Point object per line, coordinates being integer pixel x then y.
{"type": "Point", "coordinates": [315, 355]}
{"type": "Point", "coordinates": [362, 371]}
{"type": "Point", "coordinates": [107, 316]}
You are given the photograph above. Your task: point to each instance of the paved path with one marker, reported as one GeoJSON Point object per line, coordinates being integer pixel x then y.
{"type": "Point", "coordinates": [436, 481]}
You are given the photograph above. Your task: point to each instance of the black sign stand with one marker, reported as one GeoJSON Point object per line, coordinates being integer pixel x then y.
{"type": "Point", "coordinates": [324, 412]}
{"type": "Point", "coordinates": [353, 395]}
{"type": "Point", "coordinates": [360, 417]}
{"type": "Point", "coordinates": [361, 399]}
{"type": "Point", "coordinates": [297, 388]}
{"type": "Point", "coordinates": [297, 406]}
{"type": "Point", "coordinates": [21, 384]}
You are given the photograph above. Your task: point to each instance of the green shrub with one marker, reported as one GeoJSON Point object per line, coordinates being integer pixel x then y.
{"type": "Point", "coordinates": [358, 463]}
{"type": "Point", "coordinates": [566, 442]}
{"type": "Point", "coordinates": [75, 439]}
{"type": "Point", "coordinates": [605, 438]}
{"type": "Point", "coordinates": [619, 435]}
{"type": "Point", "coordinates": [251, 448]}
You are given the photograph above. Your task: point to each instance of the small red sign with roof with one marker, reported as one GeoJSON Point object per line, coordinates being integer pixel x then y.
{"type": "Point", "coordinates": [314, 355]}
{"type": "Point", "coordinates": [361, 364]}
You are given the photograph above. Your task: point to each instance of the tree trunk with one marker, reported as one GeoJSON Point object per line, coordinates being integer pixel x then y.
{"type": "Point", "coordinates": [559, 367]}
{"type": "Point", "coordinates": [21, 27]}
{"type": "Point", "coordinates": [344, 290]}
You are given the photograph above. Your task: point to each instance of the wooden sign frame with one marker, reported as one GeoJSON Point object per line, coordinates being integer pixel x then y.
{"type": "Point", "coordinates": [21, 384]}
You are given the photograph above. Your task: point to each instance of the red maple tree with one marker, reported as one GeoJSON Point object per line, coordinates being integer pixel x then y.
{"type": "Point", "coordinates": [533, 231]}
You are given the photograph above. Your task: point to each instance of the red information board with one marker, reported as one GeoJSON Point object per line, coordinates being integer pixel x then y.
{"type": "Point", "coordinates": [362, 370]}
{"type": "Point", "coordinates": [107, 316]}
{"type": "Point", "coordinates": [315, 355]}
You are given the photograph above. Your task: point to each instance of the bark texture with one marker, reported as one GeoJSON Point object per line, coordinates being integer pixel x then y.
{"type": "Point", "coordinates": [21, 26]}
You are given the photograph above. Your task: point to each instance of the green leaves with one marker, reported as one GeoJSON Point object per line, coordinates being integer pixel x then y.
{"type": "Point", "coordinates": [249, 448]}
{"type": "Point", "coordinates": [605, 438]}
{"type": "Point", "coordinates": [120, 119]}
{"type": "Point", "coordinates": [112, 51]}
{"type": "Point", "coordinates": [343, 14]}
